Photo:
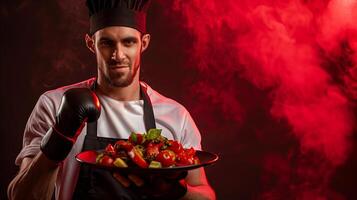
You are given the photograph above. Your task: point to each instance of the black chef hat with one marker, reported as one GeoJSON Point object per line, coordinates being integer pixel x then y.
{"type": "Point", "coordinates": [129, 13]}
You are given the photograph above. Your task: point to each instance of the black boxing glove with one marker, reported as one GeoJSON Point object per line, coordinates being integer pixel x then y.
{"type": "Point", "coordinates": [78, 105]}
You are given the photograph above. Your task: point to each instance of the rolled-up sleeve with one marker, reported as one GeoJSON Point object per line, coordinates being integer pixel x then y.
{"type": "Point", "coordinates": [191, 134]}
{"type": "Point", "coordinates": [40, 120]}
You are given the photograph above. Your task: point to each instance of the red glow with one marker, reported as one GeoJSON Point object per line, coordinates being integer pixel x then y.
{"type": "Point", "coordinates": [288, 48]}
{"type": "Point", "coordinates": [96, 101]}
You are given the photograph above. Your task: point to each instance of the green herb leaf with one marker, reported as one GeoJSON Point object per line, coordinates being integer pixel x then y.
{"type": "Point", "coordinates": [133, 137]}
{"type": "Point", "coordinates": [153, 134]}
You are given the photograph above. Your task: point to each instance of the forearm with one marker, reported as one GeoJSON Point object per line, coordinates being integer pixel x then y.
{"type": "Point", "coordinates": [35, 181]}
{"type": "Point", "coordinates": [200, 192]}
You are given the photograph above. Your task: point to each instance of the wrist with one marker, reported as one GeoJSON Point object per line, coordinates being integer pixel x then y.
{"type": "Point", "coordinates": [199, 192]}
{"type": "Point", "coordinates": [56, 146]}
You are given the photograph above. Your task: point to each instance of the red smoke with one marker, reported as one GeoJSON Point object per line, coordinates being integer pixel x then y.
{"type": "Point", "coordinates": [303, 52]}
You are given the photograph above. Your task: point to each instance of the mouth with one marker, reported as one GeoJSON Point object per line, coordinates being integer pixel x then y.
{"type": "Point", "coordinates": [118, 66]}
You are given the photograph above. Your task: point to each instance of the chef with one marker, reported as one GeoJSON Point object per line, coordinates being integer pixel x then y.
{"type": "Point", "coordinates": [90, 114]}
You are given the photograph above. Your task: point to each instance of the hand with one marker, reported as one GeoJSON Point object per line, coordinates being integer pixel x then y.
{"type": "Point", "coordinates": [78, 105]}
{"type": "Point", "coordinates": [130, 179]}
{"type": "Point", "coordinates": [166, 185]}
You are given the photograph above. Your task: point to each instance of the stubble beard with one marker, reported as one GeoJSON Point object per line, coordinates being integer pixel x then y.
{"type": "Point", "coordinates": [120, 79]}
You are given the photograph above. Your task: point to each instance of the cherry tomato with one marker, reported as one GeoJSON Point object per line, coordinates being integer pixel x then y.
{"type": "Point", "coordinates": [123, 145]}
{"type": "Point", "coordinates": [175, 146]}
{"type": "Point", "coordinates": [136, 138]}
{"type": "Point", "coordinates": [166, 158]}
{"type": "Point", "coordinates": [152, 150]}
{"type": "Point", "coordinates": [190, 152]}
{"type": "Point", "coordinates": [184, 159]}
{"type": "Point", "coordinates": [106, 160]}
{"type": "Point", "coordinates": [187, 157]}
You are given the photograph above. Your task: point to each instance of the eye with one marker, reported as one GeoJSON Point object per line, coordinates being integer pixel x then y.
{"type": "Point", "coordinates": [106, 43]}
{"type": "Point", "coordinates": [129, 42]}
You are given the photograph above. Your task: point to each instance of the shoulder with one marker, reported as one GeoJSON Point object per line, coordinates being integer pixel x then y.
{"type": "Point", "coordinates": [164, 103]}
{"type": "Point", "coordinates": [172, 114]}
{"type": "Point", "coordinates": [58, 92]}
{"type": "Point", "coordinates": [52, 98]}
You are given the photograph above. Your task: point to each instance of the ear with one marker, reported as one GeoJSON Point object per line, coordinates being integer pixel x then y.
{"type": "Point", "coordinates": [90, 43]}
{"type": "Point", "coordinates": [145, 42]}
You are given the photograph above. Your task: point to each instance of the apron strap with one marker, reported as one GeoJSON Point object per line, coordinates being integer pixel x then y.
{"type": "Point", "coordinates": [149, 117]}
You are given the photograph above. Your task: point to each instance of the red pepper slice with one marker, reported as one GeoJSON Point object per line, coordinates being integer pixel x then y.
{"type": "Point", "coordinates": [137, 158]}
{"type": "Point", "coordinates": [110, 150]}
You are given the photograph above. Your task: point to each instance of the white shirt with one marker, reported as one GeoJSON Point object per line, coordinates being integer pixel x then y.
{"type": "Point", "coordinates": [117, 120]}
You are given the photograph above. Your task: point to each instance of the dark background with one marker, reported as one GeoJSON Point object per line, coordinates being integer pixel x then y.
{"type": "Point", "coordinates": [42, 47]}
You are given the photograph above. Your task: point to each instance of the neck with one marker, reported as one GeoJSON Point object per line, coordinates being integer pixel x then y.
{"type": "Point", "coordinates": [128, 93]}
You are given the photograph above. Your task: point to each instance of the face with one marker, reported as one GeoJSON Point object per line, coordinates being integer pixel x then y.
{"type": "Point", "coordinates": [118, 52]}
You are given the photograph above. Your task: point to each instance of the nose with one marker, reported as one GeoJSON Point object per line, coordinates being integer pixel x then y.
{"type": "Point", "coordinates": [118, 54]}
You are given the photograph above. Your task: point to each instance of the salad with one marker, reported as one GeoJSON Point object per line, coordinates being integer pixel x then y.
{"type": "Point", "coordinates": [148, 150]}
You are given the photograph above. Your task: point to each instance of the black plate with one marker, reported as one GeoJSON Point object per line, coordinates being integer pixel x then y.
{"type": "Point", "coordinates": [88, 158]}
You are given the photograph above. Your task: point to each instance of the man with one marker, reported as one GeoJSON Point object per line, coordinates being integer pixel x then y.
{"type": "Point", "coordinates": [70, 119]}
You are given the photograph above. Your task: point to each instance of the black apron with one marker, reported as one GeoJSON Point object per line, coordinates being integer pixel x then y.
{"type": "Point", "coordinates": [100, 184]}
